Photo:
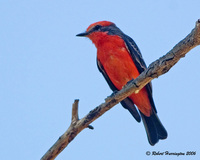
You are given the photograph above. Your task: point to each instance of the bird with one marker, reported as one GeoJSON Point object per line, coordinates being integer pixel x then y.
{"type": "Point", "coordinates": [120, 60]}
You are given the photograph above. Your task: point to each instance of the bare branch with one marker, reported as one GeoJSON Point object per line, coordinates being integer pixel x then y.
{"type": "Point", "coordinates": [75, 111]}
{"type": "Point", "coordinates": [155, 69]}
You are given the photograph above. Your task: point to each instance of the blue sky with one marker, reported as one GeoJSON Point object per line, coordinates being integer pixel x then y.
{"type": "Point", "coordinates": [44, 67]}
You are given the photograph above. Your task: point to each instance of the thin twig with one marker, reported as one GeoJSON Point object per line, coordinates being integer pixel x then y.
{"type": "Point", "coordinates": [75, 111]}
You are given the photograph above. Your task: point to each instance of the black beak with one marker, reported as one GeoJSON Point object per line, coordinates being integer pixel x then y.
{"type": "Point", "coordinates": [84, 34]}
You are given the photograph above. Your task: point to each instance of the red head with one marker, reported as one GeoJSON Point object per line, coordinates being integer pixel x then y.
{"type": "Point", "coordinates": [97, 31]}
{"type": "Point", "coordinates": [100, 23]}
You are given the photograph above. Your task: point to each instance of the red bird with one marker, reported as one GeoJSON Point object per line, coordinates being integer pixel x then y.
{"type": "Point", "coordinates": [119, 60]}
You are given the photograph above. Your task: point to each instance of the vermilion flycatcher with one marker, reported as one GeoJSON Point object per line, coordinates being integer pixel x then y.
{"type": "Point", "coordinates": [119, 60]}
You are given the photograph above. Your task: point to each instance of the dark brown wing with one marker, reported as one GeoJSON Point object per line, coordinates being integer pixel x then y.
{"type": "Point", "coordinates": [139, 62]}
{"type": "Point", "coordinates": [153, 126]}
{"type": "Point", "coordinates": [126, 103]}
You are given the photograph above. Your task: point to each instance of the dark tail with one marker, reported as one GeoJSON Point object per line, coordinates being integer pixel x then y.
{"type": "Point", "coordinates": [154, 128]}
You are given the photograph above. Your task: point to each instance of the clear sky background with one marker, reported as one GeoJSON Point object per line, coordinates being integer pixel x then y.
{"type": "Point", "coordinates": [44, 67]}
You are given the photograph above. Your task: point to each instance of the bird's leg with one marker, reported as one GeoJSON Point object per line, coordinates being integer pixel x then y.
{"type": "Point", "coordinates": [129, 81]}
{"type": "Point", "coordinates": [137, 91]}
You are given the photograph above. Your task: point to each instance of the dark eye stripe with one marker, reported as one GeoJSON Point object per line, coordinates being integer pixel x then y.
{"type": "Point", "coordinates": [94, 28]}
{"type": "Point", "coordinates": [97, 27]}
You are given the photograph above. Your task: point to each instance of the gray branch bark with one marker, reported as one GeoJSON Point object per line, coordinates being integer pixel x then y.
{"type": "Point", "coordinates": [155, 69]}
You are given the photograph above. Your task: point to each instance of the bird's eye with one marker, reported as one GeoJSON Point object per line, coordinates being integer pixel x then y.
{"type": "Point", "coordinates": [97, 27]}
{"type": "Point", "coordinates": [94, 28]}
